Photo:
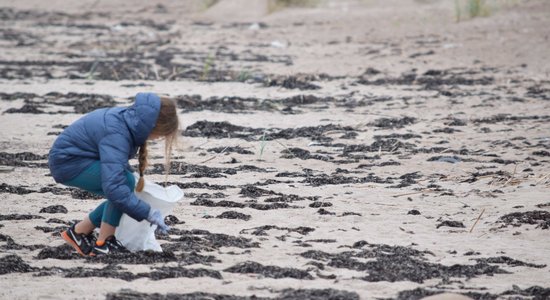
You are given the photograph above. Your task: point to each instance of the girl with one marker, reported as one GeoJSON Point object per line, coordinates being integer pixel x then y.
{"type": "Point", "coordinates": [93, 153]}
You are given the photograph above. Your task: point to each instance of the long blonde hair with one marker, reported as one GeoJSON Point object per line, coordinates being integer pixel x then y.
{"type": "Point", "coordinates": [167, 126]}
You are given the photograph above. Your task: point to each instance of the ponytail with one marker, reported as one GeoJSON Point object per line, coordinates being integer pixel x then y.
{"type": "Point", "coordinates": [142, 165]}
{"type": "Point", "coordinates": [167, 126]}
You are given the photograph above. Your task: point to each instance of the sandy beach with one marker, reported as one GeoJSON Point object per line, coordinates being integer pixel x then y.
{"type": "Point", "coordinates": [345, 150]}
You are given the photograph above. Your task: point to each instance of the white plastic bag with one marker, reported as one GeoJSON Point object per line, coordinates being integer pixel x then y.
{"type": "Point", "coordinates": [136, 235]}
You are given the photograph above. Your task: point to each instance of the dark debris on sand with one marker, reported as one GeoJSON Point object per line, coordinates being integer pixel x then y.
{"type": "Point", "coordinates": [324, 179]}
{"type": "Point", "coordinates": [81, 103]}
{"type": "Point", "coordinates": [533, 292]}
{"type": "Point", "coordinates": [66, 252]}
{"type": "Point", "coordinates": [75, 193]}
{"type": "Point", "coordinates": [200, 185]}
{"type": "Point", "coordinates": [20, 159]}
{"type": "Point", "coordinates": [237, 149]}
{"type": "Point", "coordinates": [536, 292]}
{"type": "Point", "coordinates": [135, 258]}
{"type": "Point", "coordinates": [109, 271]}
{"type": "Point", "coordinates": [255, 192]}
{"type": "Point", "coordinates": [432, 79]}
{"type": "Point", "coordinates": [194, 171]}
{"type": "Point", "coordinates": [234, 215]}
{"type": "Point", "coordinates": [203, 240]}
{"type": "Point", "coordinates": [12, 245]}
{"type": "Point", "coordinates": [54, 209]}
{"type": "Point", "coordinates": [392, 123]}
{"type": "Point", "coordinates": [6, 188]}
{"type": "Point", "coordinates": [220, 130]}
{"type": "Point", "coordinates": [223, 203]}
{"type": "Point", "coordinates": [199, 171]}
{"type": "Point", "coordinates": [541, 218]}
{"type": "Point", "coordinates": [112, 270]}
{"type": "Point", "coordinates": [160, 273]}
{"type": "Point", "coordinates": [277, 202]}
{"type": "Point", "coordinates": [19, 217]}
{"type": "Point", "coordinates": [397, 263]}
{"type": "Point", "coordinates": [285, 294]}
{"type": "Point", "coordinates": [55, 231]}
{"type": "Point", "coordinates": [235, 104]}
{"type": "Point", "coordinates": [191, 258]}
{"type": "Point", "coordinates": [449, 223]}
{"type": "Point", "coordinates": [420, 293]}
{"type": "Point", "coordinates": [301, 82]}
{"type": "Point", "coordinates": [269, 206]}
{"type": "Point", "coordinates": [509, 119]}
{"type": "Point", "coordinates": [63, 252]}
{"type": "Point", "coordinates": [172, 220]}
{"type": "Point", "coordinates": [508, 261]}
{"type": "Point", "coordinates": [14, 264]}
{"type": "Point", "coordinates": [250, 267]}
{"type": "Point", "coordinates": [304, 154]}
{"type": "Point", "coordinates": [133, 295]}
{"type": "Point", "coordinates": [386, 145]}
{"type": "Point", "coordinates": [262, 230]}
{"type": "Point", "coordinates": [317, 294]}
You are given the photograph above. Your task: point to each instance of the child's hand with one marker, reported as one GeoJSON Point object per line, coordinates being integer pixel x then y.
{"type": "Point", "coordinates": [155, 217]}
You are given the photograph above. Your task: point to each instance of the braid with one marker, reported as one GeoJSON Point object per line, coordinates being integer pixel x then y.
{"type": "Point", "coordinates": [167, 126]}
{"type": "Point", "coordinates": [142, 165]}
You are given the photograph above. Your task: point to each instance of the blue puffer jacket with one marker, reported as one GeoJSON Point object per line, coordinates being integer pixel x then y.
{"type": "Point", "coordinates": [112, 136]}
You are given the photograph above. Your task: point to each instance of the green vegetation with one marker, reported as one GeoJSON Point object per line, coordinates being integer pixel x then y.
{"type": "Point", "coordinates": [477, 8]}
{"type": "Point", "coordinates": [243, 76]}
{"type": "Point", "coordinates": [90, 75]}
{"type": "Point", "coordinates": [206, 4]}
{"type": "Point", "coordinates": [471, 9]}
{"type": "Point", "coordinates": [262, 145]}
{"type": "Point", "coordinates": [274, 5]}
{"type": "Point", "coordinates": [208, 63]}
{"type": "Point", "coordinates": [458, 11]}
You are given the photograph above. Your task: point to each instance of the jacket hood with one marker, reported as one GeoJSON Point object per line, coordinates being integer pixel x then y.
{"type": "Point", "coordinates": [142, 116]}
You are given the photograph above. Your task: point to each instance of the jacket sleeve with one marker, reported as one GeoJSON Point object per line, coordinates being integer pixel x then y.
{"type": "Point", "coordinates": [113, 152]}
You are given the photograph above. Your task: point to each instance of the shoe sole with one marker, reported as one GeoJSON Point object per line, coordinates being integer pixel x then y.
{"type": "Point", "coordinates": [70, 241]}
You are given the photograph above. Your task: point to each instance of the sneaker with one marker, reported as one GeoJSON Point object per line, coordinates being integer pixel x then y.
{"type": "Point", "coordinates": [112, 245]}
{"type": "Point", "coordinates": [82, 243]}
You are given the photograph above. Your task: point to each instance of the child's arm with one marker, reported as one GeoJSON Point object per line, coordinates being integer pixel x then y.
{"type": "Point", "coordinates": [114, 150]}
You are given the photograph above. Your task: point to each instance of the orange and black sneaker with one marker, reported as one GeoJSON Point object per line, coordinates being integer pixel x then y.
{"type": "Point", "coordinates": [110, 246]}
{"type": "Point", "coordinates": [82, 243]}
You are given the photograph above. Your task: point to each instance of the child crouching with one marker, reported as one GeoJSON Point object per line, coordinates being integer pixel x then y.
{"type": "Point", "coordinates": [93, 154]}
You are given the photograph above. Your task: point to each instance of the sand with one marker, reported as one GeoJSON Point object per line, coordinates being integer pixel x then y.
{"type": "Point", "coordinates": [353, 150]}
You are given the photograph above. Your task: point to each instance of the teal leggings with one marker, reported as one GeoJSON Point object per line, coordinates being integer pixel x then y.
{"type": "Point", "coordinates": [90, 180]}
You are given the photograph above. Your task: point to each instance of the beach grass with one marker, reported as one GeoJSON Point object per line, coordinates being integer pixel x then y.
{"type": "Point", "coordinates": [263, 143]}
{"type": "Point", "coordinates": [207, 66]}
{"type": "Point", "coordinates": [469, 9]}
{"type": "Point", "coordinates": [206, 4]}
{"type": "Point", "coordinates": [275, 5]}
